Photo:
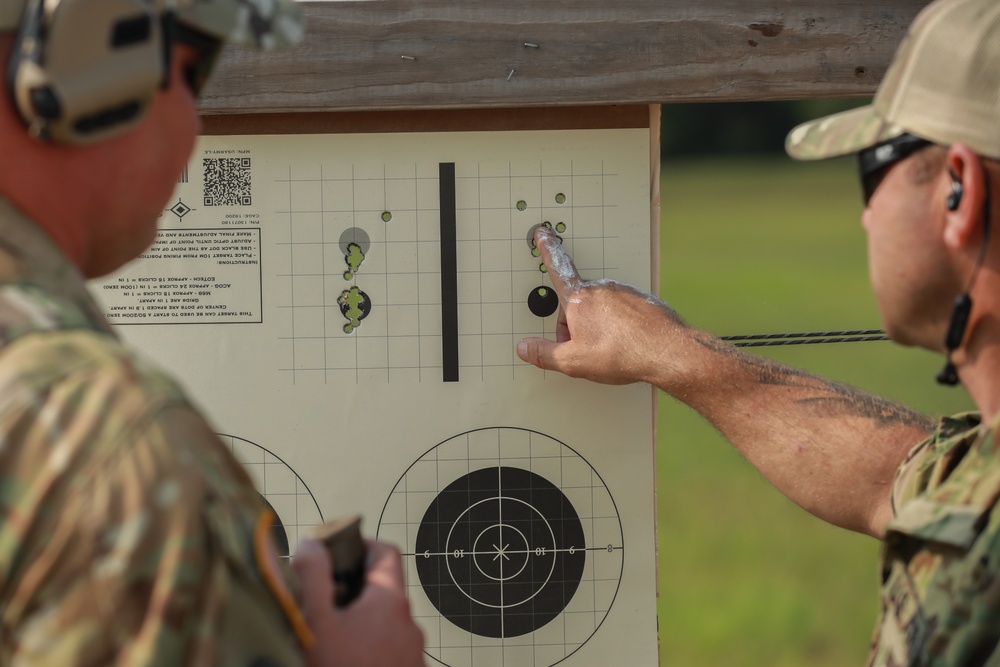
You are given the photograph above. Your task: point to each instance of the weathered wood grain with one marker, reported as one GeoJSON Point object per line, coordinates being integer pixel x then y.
{"type": "Point", "coordinates": [473, 54]}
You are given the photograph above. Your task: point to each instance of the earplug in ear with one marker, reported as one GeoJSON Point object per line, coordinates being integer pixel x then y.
{"type": "Point", "coordinates": [955, 196]}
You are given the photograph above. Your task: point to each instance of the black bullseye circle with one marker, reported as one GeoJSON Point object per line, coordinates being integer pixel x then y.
{"type": "Point", "coordinates": [501, 528]}
{"type": "Point", "coordinates": [500, 552]}
{"type": "Point", "coordinates": [543, 301]}
{"type": "Point", "coordinates": [278, 533]}
{"type": "Point", "coordinates": [360, 307]}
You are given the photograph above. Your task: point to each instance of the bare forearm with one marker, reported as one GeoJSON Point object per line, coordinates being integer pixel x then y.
{"type": "Point", "coordinates": [829, 447]}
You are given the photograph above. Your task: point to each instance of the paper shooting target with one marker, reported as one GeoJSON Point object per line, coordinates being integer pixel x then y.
{"type": "Point", "coordinates": [513, 547]}
{"type": "Point", "coordinates": [295, 508]}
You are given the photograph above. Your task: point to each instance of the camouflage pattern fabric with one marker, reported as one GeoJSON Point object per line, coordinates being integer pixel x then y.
{"type": "Point", "coordinates": [266, 24]}
{"type": "Point", "coordinates": [941, 86]}
{"type": "Point", "coordinates": [126, 526]}
{"type": "Point", "coordinates": [840, 134]}
{"type": "Point", "coordinates": [941, 555]}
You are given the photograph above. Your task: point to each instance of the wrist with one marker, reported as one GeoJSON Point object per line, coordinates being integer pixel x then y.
{"type": "Point", "coordinates": [688, 363]}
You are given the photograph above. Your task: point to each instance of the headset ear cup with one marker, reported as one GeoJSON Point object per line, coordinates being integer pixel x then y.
{"type": "Point", "coordinates": [93, 68]}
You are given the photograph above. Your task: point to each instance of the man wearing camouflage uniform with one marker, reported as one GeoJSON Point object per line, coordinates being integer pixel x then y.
{"type": "Point", "coordinates": [928, 150]}
{"type": "Point", "coordinates": [128, 533]}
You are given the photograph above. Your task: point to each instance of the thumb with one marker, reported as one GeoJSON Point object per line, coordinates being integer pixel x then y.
{"type": "Point", "coordinates": [312, 567]}
{"type": "Point", "coordinates": [538, 352]}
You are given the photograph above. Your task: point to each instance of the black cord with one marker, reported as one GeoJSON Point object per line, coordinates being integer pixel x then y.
{"type": "Point", "coordinates": [807, 338]}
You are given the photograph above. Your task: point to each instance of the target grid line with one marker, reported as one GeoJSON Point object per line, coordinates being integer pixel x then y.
{"type": "Point", "coordinates": [487, 498]}
{"type": "Point", "coordinates": [394, 341]}
{"type": "Point", "coordinates": [282, 490]}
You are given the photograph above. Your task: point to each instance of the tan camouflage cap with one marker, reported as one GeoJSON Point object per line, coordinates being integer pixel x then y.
{"type": "Point", "coordinates": [943, 85]}
{"type": "Point", "coordinates": [267, 24]}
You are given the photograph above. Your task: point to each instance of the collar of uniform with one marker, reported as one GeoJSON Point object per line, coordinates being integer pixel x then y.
{"type": "Point", "coordinates": [40, 289]}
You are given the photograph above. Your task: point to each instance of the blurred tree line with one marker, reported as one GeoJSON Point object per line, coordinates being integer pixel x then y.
{"type": "Point", "coordinates": [738, 127]}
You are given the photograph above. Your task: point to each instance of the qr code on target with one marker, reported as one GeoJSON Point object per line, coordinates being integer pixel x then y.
{"type": "Point", "coordinates": [227, 181]}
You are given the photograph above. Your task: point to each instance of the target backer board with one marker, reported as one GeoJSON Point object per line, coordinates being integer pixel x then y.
{"type": "Point", "coordinates": [345, 306]}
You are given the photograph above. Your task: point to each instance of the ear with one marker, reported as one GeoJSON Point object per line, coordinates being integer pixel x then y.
{"type": "Point", "coordinates": [966, 178]}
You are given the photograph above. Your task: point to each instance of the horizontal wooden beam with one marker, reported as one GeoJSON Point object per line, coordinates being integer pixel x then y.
{"type": "Point", "coordinates": [494, 119]}
{"type": "Point", "coordinates": [439, 54]}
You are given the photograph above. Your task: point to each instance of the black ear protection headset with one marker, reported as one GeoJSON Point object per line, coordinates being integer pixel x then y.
{"type": "Point", "coordinates": [963, 302]}
{"type": "Point", "coordinates": [84, 70]}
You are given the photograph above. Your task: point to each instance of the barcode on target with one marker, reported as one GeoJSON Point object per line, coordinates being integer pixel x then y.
{"type": "Point", "coordinates": [227, 181]}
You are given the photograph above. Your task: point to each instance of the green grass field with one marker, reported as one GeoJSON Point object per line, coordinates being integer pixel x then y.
{"type": "Point", "coordinates": [746, 577]}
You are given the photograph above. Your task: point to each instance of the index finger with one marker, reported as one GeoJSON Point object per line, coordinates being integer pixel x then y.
{"type": "Point", "coordinates": [565, 278]}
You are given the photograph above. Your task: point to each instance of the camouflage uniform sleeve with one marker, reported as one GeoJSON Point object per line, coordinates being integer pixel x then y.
{"type": "Point", "coordinates": [136, 542]}
{"type": "Point", "coordinates": [929, 463]}
{"type": "Point", "coordinates": [941, 557]}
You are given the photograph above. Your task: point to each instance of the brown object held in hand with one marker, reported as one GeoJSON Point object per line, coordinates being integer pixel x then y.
{"type": "Point", "coordinates": [342, 539]}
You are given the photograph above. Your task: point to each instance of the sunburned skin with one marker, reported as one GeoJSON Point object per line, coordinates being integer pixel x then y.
{"type": "Point", "coordinates": [831, 399]}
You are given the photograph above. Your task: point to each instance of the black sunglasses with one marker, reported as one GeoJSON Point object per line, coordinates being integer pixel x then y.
{"type": "Point", "coordinates": [207, 47]}
{"type": "Point", "coordinates": [874, 162]}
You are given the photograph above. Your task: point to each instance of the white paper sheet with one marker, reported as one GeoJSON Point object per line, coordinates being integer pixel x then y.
{"type": "Point", "coordinates": [523, 501]}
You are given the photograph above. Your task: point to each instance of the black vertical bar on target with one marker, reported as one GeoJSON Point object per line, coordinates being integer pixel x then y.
{"type": "Point", "coordinates": [449, 272]}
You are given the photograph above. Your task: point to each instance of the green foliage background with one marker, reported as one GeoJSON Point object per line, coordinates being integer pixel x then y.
{"type": "Point", "coordinates": [755, 243]}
